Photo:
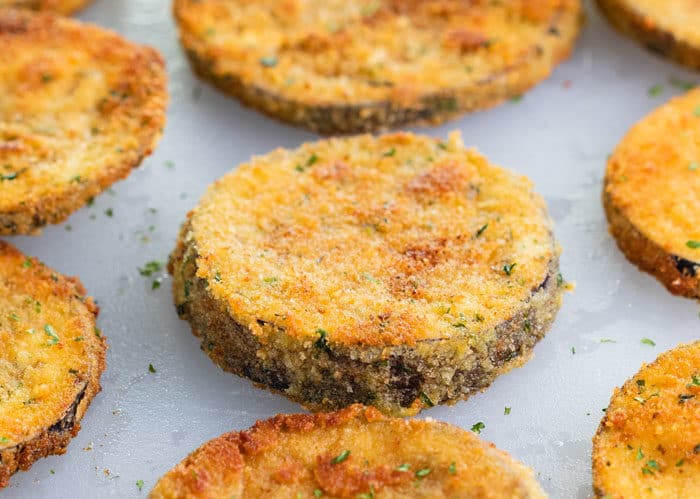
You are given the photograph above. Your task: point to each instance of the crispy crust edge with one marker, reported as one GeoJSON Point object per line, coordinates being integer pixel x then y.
{"type": "Point", "coordinates": [398, 380]}
{"type": "Point", "coordinates": [634, 25]}
{"type": "Point", "coordinates": [65, 8]}
{"type": "Point", "coordinates": [427, 110]}
{"type": "Point", "coordinates": [55, 439]}
{"type": "Point", "coordinates": [29, 217]}
{"type": "Point", "coordinates": [680, 276]}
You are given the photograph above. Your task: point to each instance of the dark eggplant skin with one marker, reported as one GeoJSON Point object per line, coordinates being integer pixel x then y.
{"type": "Point", "coordinates": [324, 376]}
{"type": "Point", "coordinates": [623, 16]}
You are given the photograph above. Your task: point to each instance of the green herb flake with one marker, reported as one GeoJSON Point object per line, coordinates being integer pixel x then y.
{"type": "Point", "coordinates": [697, 112]}
{"type": "Point", "coordinates": [477, 427]}
{"type": "Point", "coordinates": [139, 485]}
{"type": "Point", "coordinates": [692, 244]}
{"type": "Point", "coordinates": [426, 400]}
{"type": "Point", "coordinates": [340, 457]}
{"type": "Point", "coordinates": [151, 268]}
{"type": "Point", "coordinates": [573, 350]}
{"type": "Point", "coordinates": [680, 84]}
{"type": "Point", "coordinates": [680, 463]}
{"type": "Point", "coordinates": [322, 341]}
{"type": "Point", "coordinates": [318, 493]}
{"type": "Point", "coordinates": [151, 369]}
{"type": "Point", "coordinates": [506, 410]}
{"type": "Point", "coordinates": [8, 176]}
{"type": "Point", "coordinates": [640, 454]}
{"type": "Point", "coordinates": [647, 341]}
{"type": "Point", "coordinates": [508, 269]}
{"type": "Point", "coordinates": [693, 166]}
{"type": "Point", "coordinates": [391, 152]}
{"type": "Point", "coordinates": [695, 381]}
{"type": "Point", "coordinates": [269, 61]}
{"type": "Point", "coordinates": [481, 230]}
{"type": "Point", "coordinates": [656, 90]}
{"type": "Point", "coordinates": [607, 340]}
{"type": "Point", "coordinates": [270, 280]}
{"type": "Point", "coordinates": [403, 467]}
{"type": "Point", "coordinates": [27, 263]}
{"type": "Point", "coordinates": [4, 440]}
{"type": "Point", "coordinates": [422, 473]}
{"type": "Point", "coordinates": [453, 468]}
{"type": "Point", "coordinates": [640, 400]}
{"type": "Point", "coordinates": [51, 333]}
{"type": "Point", "coordinates": [109, 212]}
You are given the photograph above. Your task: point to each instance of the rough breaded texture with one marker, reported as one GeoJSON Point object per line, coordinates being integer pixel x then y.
{"type": "Point", "coordinates": [59, 6]}
{"type": "Point", "coordinates": [670, 28]}
{"type": "Point", "coordinates": [353, 453]}
{"type": "Point", "coordinates": [80, 108]}
{"type": "Point", "coordinates": [51, 359]}
{"type": "Point", "coordinates": [648, 443]}
{"type": "Point", "coordinates": [652, 194]}
{"type": "Point", "coordinates": [399, 271]}
{"type": "Point", "coordinates": [337, 66]}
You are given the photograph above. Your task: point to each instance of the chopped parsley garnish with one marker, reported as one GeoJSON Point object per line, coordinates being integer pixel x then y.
{"type": "Point", "coordinates": [155, 284]}
{"type": "Point", "coordinates": [640, 400]}
{"type": "Point", "coordinates": [508, 269]}
{"type": "Point", "coordinates": [322, 341]}
{"type": "Point", "coordinates": [4, 440]}
{"type": "Point", "coordinates": [656, 90]}
{"type": "Point", "coordinates": [14, 317]}
{"type": "Point", "coordinates": [151, 268]}
{"type": "Point", "coordinates": [693, 166]}
{"type": "Point", "coordinates": [695, 381]}
{"type": "Point", "coordinates": [680, 463]}
{"type": "Point", "coordinates": [8, 176]}
{"type": "Point", "coordinates": [680, 84]}
{"type": "Point", "coordinates": [309, 162]}
{"type": "Point", "coordinates": [692, 244]}
{"type": "Point", "coordinates": [648, 341]}
{"type": "Point", "coordinates": [270, 280]}
{"type": "Point", "coordinates": [367, 495]}
{"type": "Point", "coordinates": [403, 467]}
{"type": "Point", "coordinates": [390, 152]}
{"type": "Point", "coordinates": [217, 276]}
{"type": "Point", "coordinates": [51, 333]}
{"type": "Point", "coordinates": [477, 427]}
{"type": "Point", "coordinates": [573, 350]}
{"type": "Point", "coordinates": [650, 467]}
{"type": "Point", "coordinates": [422, 473]}
{"type": "Point", "coordinates": [151, 369]}
{"type": "Point", "coordinates": [453, 468]}
{"type": "Point", "coordinates": [506, 410]}
{"type": "Point", "coordinates": [426, 400]}
{"type": "Point", "coordinates": [269, 61]}
{"type": "Point", "coordinates": [109, 212]}
{"type": "Point", "coordinates": [683, 397]}
{"type": "Point", "coordinates": [27, 263]}
{"type": "Point", "coordinates": [340, 457]}
{"type": "Point", "coordinates": [139, 485]}
{"type": "Point", "coordinates": [516, 98]}
{"type": "Point", "coordinates": [697, 112]}
{"type": "Point", "coordinates": [482, 229]}
{"type": "Point", "coordinates": [318, 493]}
{"type": "Point", "coordinates": [640, 454]}
{"type": "Point", "coordinates": [607, 340]}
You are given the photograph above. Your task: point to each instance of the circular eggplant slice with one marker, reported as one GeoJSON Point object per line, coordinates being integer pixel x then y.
{"type": "Point", "coordinates": [345, 67]}
{"type": "Point", "coordinates": [80, 108]}
{"type": "Point", "coordinates": [348, 454]}
{"type": "Point", "coordinates": [648, 443]}
{"type": "Point", "coordinates": [51, 359]}
{"type": "Point", "coordinates": [398, 271]}
{"type": "Point", "coordinates": [652, 194]}
{"type": "Point", "coordinates": [667, 28]}
{"type": "Point", "coordinates": [59, 6]}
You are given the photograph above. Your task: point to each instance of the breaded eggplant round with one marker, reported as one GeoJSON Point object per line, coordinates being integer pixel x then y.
{"type": "Point", "coordinates": [80, 108]}
{"type": "Point", "coordinates": [59, 6]}
{"type": "Point", "coordinates": [652, 194]}
{"type": "Point", "coordinates": [352, 453]}
{"type": "Point", "coordinates": [51, 359]}
{"type": "Point", "coordinates": [398, 271]}
{"type": "Point", "coordinates": [671, 29]}
{"type": "Point", "coordinates": [648, 443]}
{"type": "Point", "coordinates": [344, 67]}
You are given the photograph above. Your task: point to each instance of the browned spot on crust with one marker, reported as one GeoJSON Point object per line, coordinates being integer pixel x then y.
{"type": "Point", "coordinates": [464, 40]}
{"type": "Point", "coordinates": [346, 480]}
{"type": "Point", "coordinates": [444, 178]}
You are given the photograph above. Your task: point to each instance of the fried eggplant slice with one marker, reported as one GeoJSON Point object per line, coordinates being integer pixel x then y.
{"type": "Point", "coordinates": [51, 359]}
{"type": "Point", "coordinates": [671, 29]}
{"type": "Point", "coordinates": [80, 108]}
{"type": "Point", "coordinates": [399, 271]}
{"type": "Point", "coordinates": [345, 67]}
{"type": "Point", "coordinates": [652, 194]}
{"type": "Point", "coordinates": [648, 443]}
{"type": "Point", "coordinates": [352, 453]}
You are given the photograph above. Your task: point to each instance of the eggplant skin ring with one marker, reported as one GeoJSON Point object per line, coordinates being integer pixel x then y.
{"type": "Point", "coordinates": [355, 452]}
{"type": "Point", "coordinates": [666, 28]}
{"type": "Point", "coordinates": [346, 67]}
{"type": "Point", "coordinates": [81, 107]}
{"type": "Point", "coordinates": [651, 192]}
{"type": "Point", "coordinates": [400, 271]}
{"type": "Point", "coordinates": [648, 443]}
{"type": "Point", "coordinates": [51, 359]}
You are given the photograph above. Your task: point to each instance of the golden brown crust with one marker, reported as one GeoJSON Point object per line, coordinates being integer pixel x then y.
{"type": "Point", "coordinates": [340, 272]}
{"type": "Point", "coordinates": [648, 443]}
{"type": "Point", "coordinates": [667, 28]}
{"type": "Point", "coordinates": [59, 6]}
{"type": "Point", "coordinates": [51, 359]}
{"type": "Point", "coordinates": [70, 127]}
{"type": "Point", "coordinates": [349, 67]}
{"type": "Point", "coordinates": [650, 194]}
{"type": "Point", "coordinates": [351, 453]}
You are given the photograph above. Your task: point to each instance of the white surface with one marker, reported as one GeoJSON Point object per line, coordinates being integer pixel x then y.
{"type": "Point", "coordinates": [142, 424]}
